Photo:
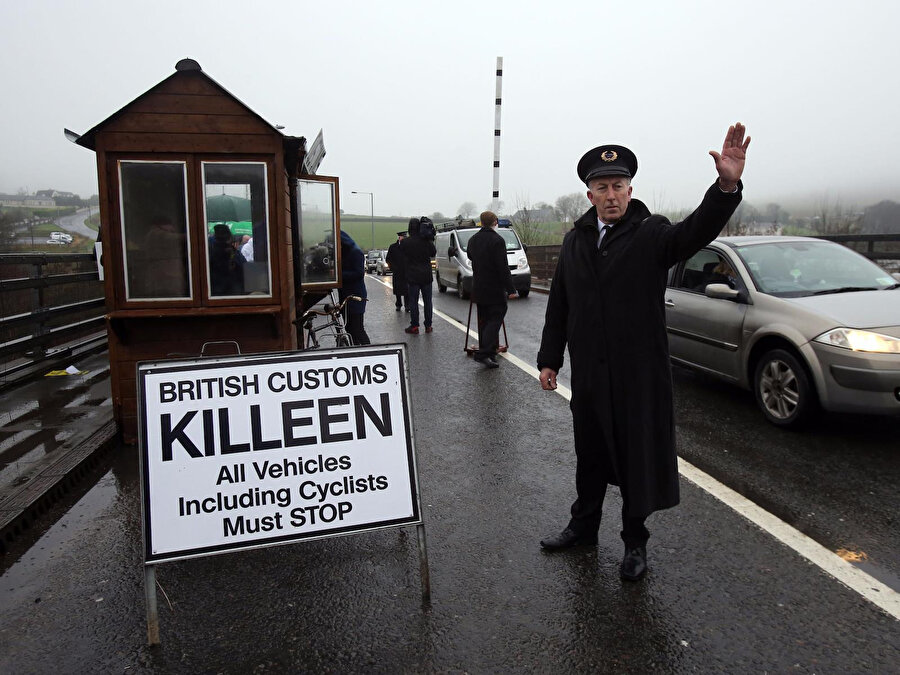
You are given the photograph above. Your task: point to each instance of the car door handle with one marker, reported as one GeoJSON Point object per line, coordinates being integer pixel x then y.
{"type": "Point", "coordinates": [669, 303]}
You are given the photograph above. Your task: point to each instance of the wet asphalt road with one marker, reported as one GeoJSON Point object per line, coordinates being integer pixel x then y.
{"type": "Point", "coordinates": [496, 474]}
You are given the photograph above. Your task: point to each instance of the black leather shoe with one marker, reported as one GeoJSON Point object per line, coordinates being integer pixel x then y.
{"type": "Point", "coordinates": [634, 564]}
{"type": "Point", "coordinates": [486, 361]}
{"type": "Point", "coordinates": [567, 539]}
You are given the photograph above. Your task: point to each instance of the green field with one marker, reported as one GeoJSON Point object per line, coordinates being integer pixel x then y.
{"type": "Point", "coordinates": [360, 228]}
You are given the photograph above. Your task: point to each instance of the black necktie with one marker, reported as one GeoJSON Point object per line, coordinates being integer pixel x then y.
{"type": "Point", "coordinates": [603, 232]}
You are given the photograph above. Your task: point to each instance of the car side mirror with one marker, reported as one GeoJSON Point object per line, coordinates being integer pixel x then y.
{"type": "Point", "coordinates": [721, 291]}
{"type": "Point", "coordinates": [525, 248]}
{"type": "Point", "coordinates": [451, 251]}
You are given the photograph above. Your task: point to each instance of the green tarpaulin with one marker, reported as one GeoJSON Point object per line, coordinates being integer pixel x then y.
{"type": "Point", "coordinates": [238, 228]}
{"type": "Point", "coordinates": [226, 208]}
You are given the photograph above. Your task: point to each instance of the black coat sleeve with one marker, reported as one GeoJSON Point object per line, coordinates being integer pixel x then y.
{"type": "Point", "coordinates": [553, 338]}
{"type": "Point", "coordinates": [683, 239]}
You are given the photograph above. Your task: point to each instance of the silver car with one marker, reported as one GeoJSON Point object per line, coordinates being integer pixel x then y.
{"type": "Point", "coordinates": [381, 264]}
{"type": "Point", "coordinates": [802, 322]}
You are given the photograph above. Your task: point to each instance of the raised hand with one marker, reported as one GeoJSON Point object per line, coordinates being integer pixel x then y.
{"type": "Point", "coordinates": [730, 163]}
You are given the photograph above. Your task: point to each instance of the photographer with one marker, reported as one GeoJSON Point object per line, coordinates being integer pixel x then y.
{"type": "Point", "coordinates": [418, 250]}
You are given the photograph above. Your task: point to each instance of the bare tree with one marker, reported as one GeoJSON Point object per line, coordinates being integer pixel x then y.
{"type": "Point", "coordinates": [776, 217]}
{"type": "Point", "coordinates": [528, 223]}
{"type": "Point", "coordinates": [524, 219]}
{"type": "Point", "coordinates": [740, 220]}
{"type": "Point", "coordinates": [569, 207]}
{"type": "Point", "coordinates": [833, 217]}
{"type": "Point", "coordinates": [501, 205]}
{"type": "Point", "coordinates": [467, 209]}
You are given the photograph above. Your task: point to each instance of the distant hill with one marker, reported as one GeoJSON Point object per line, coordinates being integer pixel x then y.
{"type": "Point", "coordinates": [881, 218]}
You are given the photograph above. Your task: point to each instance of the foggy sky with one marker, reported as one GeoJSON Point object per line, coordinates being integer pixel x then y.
{"type": "Point", "coordinates": [404, 91]}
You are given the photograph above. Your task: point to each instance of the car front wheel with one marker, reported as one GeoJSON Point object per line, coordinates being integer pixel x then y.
{"type": "Point", "coordinates": [783, 390]}
{"type": "Point", "coordinates": [442, 287]}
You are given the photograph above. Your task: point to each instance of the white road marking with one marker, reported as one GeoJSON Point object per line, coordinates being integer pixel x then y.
{"type": "Point", "coordinates": [876, 592]}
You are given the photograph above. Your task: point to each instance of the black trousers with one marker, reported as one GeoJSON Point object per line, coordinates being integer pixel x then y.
{"type": "Point", "coordinates": [398, 298]}
{"type": "Point", "coordinates": [490, 319]}
{"type": "Point", "coordinates": [593, 471]}
{"type": "Point", "coordinates": [356, 329]}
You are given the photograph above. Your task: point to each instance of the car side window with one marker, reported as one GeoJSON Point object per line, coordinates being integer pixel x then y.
{"type": "Point", "coordinates": [703, 268]}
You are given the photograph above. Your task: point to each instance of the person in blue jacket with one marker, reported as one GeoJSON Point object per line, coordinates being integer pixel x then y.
{"type": "Point", "coordinates": [353, 276]}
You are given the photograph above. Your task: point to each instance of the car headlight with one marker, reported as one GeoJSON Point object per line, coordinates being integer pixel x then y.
{"type": "Point", "coordinates": [860, 341]}
{"type": "Point", "coordinates": [523, 262]}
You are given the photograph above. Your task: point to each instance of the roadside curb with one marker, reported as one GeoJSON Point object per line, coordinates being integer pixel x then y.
{"type": "Point", "coordinates": [23, 504]}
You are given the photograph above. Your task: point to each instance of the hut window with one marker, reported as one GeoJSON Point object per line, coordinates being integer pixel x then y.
{"type": "Point", "coordinates": [317, 215]}
{"type": "Point", "coordinates": [154, 230]}
{"type": "Point", "coordinates": [236, 216]}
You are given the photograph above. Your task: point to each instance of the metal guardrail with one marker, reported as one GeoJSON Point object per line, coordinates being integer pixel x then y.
{"type": "Point", "coordinates": [56, 309]}
{"type": "Point", "coordinates": [873, 246]}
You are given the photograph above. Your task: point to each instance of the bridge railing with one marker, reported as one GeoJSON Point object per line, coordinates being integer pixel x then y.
{"type": "Point", "coordinates": [50, 305]}
{"type": "Point", "coordinates": [882, 248]}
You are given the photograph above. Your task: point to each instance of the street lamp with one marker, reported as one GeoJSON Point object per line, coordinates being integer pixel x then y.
{"type": "Point", "coordinates": [371, 210]}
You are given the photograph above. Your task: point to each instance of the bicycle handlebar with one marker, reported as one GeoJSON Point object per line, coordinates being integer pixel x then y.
{"type": "Point", "coordinates": [332, 310]}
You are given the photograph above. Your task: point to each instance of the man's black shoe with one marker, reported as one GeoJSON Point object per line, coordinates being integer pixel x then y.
{"type": "Point", "coordinates": [634, 565]}
{"type": "Point", "coordinates": [567, 539]}
{"type": "Point", "coordinates": [486, 361]}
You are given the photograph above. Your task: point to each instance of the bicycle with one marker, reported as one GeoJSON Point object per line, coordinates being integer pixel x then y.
{"type": "Point", "coordinates": [336, 330]}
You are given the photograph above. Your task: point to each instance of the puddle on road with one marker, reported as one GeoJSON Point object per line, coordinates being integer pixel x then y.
{"type": "Point", "coordinates": [24, 576]}
{"type": "Point", "coordinates": [19, 411]}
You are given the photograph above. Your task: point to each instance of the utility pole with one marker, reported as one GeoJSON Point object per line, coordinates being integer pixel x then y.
{"type": "Point", "coordinates": [371, 211]}
{"type": "Point", "coordinates": [495, 199]}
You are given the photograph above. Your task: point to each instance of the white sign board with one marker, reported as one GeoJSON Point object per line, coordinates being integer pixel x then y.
{"type": "Point", "coordinates": [256, 450]}
{"type": "Point", "coordinates": [314, 155]}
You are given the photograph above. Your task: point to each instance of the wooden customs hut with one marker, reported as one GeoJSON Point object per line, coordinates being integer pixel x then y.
{"type": "Point", "coordinates": [202, 207]}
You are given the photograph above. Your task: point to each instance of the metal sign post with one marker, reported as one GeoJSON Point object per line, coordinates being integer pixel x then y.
{"type": "Point", "coordinates": [471, 349]}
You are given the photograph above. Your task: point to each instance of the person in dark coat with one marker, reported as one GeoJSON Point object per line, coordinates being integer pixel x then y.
{"type": "Point", "coordinates": [398, 271]}
{"type": "Point", "coordinates": [353, 282]}
{"type": "Point", "coordinates": [492, 284]}
{"type": "Point", "coordinates": [607, 304]}
{"type": "Point", "coordinates": [226, 264]}
{"type": "Point", "coordinates": [418, 252]}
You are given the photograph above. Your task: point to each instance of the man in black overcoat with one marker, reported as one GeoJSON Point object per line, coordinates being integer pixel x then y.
{"type": "Point", "coordinates": [397, 262]}
{"type": "Point", "coordinates": [418, 252]}
{"type": "Point", "coordinates": [492, 284]}
{"type": "Point", "coordinates": [606, 305]}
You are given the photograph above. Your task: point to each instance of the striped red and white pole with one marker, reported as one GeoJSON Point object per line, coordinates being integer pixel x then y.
{"type": "Point", "coordinates": [495, 199]}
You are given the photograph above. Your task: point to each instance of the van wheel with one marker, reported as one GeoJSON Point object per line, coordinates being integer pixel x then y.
{"type": "Point", "coordinates": [524, 292]}
{"type": "Point", "coordinates": [783, 390]}
{"type": "Point", "coordinates": [441, 287]}
{"type": "Point", "coordinates": [460, 291]}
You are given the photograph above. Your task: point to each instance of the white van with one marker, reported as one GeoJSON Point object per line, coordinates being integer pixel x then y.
{"type": "Point", "coordinates": [454, 269]}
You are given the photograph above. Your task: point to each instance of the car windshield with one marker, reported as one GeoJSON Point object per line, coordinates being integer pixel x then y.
{"type": "Point", "coordinates": [794, 269]}
{"type": "Point", "coordinates": [509, 236]}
